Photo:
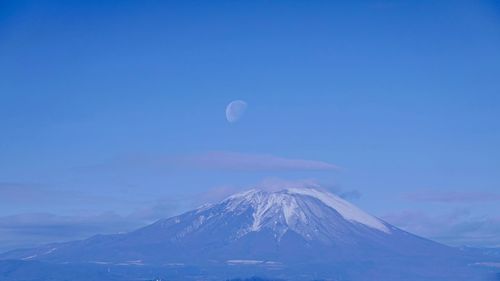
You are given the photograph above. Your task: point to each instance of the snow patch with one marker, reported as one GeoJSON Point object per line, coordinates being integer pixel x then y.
{"type": "Point", "coordinates": [488, 264]}
{"type": "Point", "coordinates": [29, 258]}
{"type": "Point", "coordinates": [272, 264]}
{"type": "Point", "coordinates": [134, 262]}
{"type": "Point", "coordinates": [100, 262]}
{"type": "Point", "coordinates": [234, 262]}
{"type": "Point", "coordinates": [344, 208]}
{"type": "Point", "coordinates": [49, 251]}
{"type": "Point", "coordinates": [36, 255]}
{"type": "Point", "coordinates": [289, 210]}
{"type": "Point", "coordinates": [175, 264]}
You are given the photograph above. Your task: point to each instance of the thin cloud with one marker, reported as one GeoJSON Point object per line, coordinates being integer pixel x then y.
{"type": "Point", "coordinates": [15, 192]}
{"type": "Point", "coordinates": [456, 228]}
{"type": "Point", "coordinates": [35, 194]}
{"type": "Point", "coordinates": [272, 184]}
{"type": "Point", "coordinates": [32, 229]}
{"type": "Point", "coordinates": [275, 184]}
{"type": "Point", "coordinates": [223, 160]}
{"type": "Point", "coordinates": [216, 194]}
{"type": "Point", "coordinates": [453, 197]}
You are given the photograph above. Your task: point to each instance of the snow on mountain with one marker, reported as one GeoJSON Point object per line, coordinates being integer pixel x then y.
{"type": "Point", "coordinates": [299, 210]}
{"type": "Point", "coordinates": [300, 234]}
{"type": "Point", "coordinates": [344, 208]}
{"type": "Point", "coordinates": [289, 225]}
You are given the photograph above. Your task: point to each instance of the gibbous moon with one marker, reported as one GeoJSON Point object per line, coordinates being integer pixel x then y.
{"type": "Point", "coordinates": [235, 110]}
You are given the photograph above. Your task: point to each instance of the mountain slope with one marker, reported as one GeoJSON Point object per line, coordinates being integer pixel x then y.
{"type": "Point", "coordinates": [282, 226]}
{"type": "Point", "coordinates": [306, 231]}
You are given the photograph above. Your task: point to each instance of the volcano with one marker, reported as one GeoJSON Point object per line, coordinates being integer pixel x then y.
{"type": "Point", "coordinates": [294, 233]}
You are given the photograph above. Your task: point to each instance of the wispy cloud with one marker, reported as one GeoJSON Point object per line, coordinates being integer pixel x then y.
{"type": "Point", "coordinates": [15, 192]}
{"type": "Point", "coordinates": [37, 194]}
{"type": "Point", "coordinates": [458, 227]}
{"type": "Point", "coordinates": [214, 195]}
{"type": "Point", "coordinates": [273, 183]}
{"type": "Point", "coordinates": [224, 160]}
{"type": "Point", "coordinates": [453, 196]}
{"type": "Point", "coordinates": [31, 229]}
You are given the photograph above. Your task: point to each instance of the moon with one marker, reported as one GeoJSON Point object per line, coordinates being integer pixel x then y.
{"type": "Point", "coordinates": [235, 110]}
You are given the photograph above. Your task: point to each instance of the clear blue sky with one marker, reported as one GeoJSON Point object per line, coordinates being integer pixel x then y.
{"type": "Point", "coordinates": [107, 110]}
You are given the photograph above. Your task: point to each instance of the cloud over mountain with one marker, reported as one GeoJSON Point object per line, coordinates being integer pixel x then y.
{"type": "Point", "coordinates": [225, 160]}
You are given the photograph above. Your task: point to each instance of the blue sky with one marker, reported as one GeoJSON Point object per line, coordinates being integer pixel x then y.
{"type": "Point", "coordinates": [111, 114]}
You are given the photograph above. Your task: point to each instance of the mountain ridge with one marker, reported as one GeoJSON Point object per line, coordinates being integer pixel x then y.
{"type": "Point", "coordinates": [285, 233]}
{"type": "Point", "coordinates": [282, 220]}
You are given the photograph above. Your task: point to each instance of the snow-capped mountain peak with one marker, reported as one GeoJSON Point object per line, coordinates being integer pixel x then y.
{"type": "Point", "coordinates": [294, 225]}
{"type": "Point", "coordinates": [299, 210]}
{"type": "Point", "coordinates": [344, 208]}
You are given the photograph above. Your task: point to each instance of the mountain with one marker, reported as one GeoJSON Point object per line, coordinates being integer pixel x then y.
{"type": "Point", "coordinates": [292, 233]}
